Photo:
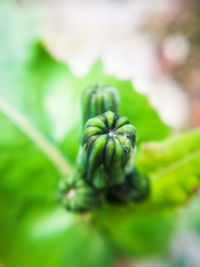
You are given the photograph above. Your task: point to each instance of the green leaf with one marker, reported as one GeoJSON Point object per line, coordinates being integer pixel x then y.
{"type": "Point", "coordinates": [132, 104]}
{"type": "Point", "coordinates": [34, 230]}
{"type": "Point", "coordinates": [31, 80]}
{"type": "Point", "coordinates": [54, 239]}
{"type": "Point", "coordinates": [28, 181]}
{"type": "Point", "coordinates": [138, 230]}
{"type": "Point", "coordinates": [47, 95]}
{"type": "Point", "coordinates": [173, 167]}
{"type": "Point", "coordinates": [32, 225]}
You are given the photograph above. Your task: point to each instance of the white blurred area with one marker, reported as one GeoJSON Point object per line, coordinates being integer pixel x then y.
{"type": "Point", "coordinates": [80, 32]}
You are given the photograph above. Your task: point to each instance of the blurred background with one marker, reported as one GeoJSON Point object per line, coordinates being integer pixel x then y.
{"type": "Point", "coordinates": [49, 52]}
{"type": "Point", "coordinates": [162, 37]}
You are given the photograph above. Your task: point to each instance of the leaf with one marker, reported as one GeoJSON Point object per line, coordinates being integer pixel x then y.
{"type": "Point", "coordinates": [55, 241]}
{"type": "Point", "coordinates": [31, 80]}
{"type": "Point", "coordinates": [48, 95]}
{"type": "Point", "coordinates": [137, 230]}
{"type": "Point", "coordinates": [132, 104]}
{"type": "Point", "coordinates": [31, 223]}
{"type": "Point", "coordinates": [34, 230]}
{"type": "Point", "coordinates": [27, 181]}
{"type": "Point", "coordinates": [173, 167]}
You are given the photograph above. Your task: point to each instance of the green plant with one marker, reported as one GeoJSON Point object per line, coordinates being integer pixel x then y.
{"type": "Point", "coordinates": [105, 168]}
{"type": "Point", "coordinates": [39, 144]}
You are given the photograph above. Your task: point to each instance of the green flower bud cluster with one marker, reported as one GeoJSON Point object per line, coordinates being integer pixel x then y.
{"type": "Point", "coordinates": [105, 169]}
{"type": "Point", "coordinates": [108, 142]}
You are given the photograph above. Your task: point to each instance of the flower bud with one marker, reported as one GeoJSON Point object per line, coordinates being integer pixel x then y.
{"type": "Point", "coordinates": [78, 196]}
{"type": "Point", "coordinates": [136, 187]}
{"type": "Point", "coordinates": [108, 141]}
{"type": "Point", "coordinates": [97, 100]}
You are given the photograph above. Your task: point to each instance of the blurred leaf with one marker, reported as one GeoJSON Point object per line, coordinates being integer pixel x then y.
{"type": "Point", "coordinates": [137, 230]}
{"type": "Point", "coordinates": [27, 181]}
{"type": "Point", "coordinates": [48, 94]}
{"type": "Point", "coordinates": [173, 167]}
{"type": "Point", "coordinates": [31, 80]}
{"type": "Point", "coordinates": [132, 104]}
{"type": "Point", "coordinates": [73, 245]}
{"type": "Point", "coordinates": [33, 231]}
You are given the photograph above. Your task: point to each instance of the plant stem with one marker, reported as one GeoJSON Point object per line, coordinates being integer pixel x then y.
{"type": "Point", "coordinates": [45, 146]}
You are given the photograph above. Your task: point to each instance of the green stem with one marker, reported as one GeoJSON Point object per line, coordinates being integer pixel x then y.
{"type": "Point", "coordinates": [44, 145]}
